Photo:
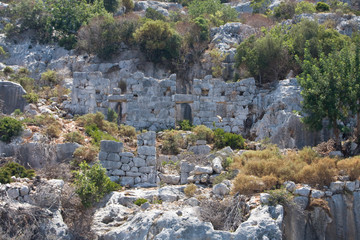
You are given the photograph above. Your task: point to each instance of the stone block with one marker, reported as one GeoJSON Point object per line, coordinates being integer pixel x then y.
{"type": "Point", "coordinates": [125, 167]}
{"type": "Point", "coordinates": [111, 146]}
{"type": "Point", "coordinates": [350, 186]}
{"type": "Point", "coordinates": [198, 170]}
{"type": "Point", "coordinates": [147, 150]}
{"type": "Point", "coordinates": [13, 193]}
{"type": "Point", "coordinates": [126, 154]}
{"type": "Point", "coordinates": [150, 160]}
{"type": "Point", "coordinates": [110, 164]}
{"type": "Point", "coordinates": [290, 186]}
{"type": "Point", "coordinates": [216, 165]}
{"type": "Point", "coordinates": [139, 162]}
{"type": "Point", "coordinates": [118, 172]}
{"type": "Point", "coordinates": [103, 155]}
{"type": "Point", "coordinates": [317, 194]}
{"type": "Point", "coordinates": [337, 186]}
{"type": "Point", "coordinates": [170, 179]}
{"type": "Point", "coordinates": [301, 201]}
{"type": "Point", "coordinates": [113, 157]}
{"type": "Point", "coordinates": [134, 169]}
{"type": "Point", "coordinates": [133, 174]}
{"type": "Point", "coordinates": [303, 191]}
{"type": "Point", "coordinates": [127, 181]}
{"type": "Point", "coordinates": [221, 189]}
{"type": "Point", "coordinates": [125, 160]}
{"type": "Point", "coordinates": [115, 178]}
{"type": "Point", "coordinates": [264, 198]}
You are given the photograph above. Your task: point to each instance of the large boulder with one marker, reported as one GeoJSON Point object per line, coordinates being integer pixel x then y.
{"type": "Point", "coordinates": [11, 97]}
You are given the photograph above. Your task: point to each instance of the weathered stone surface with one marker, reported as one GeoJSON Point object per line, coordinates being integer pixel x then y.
{"type": "Point", "coordinates": [13, 193]}
{"type": "Point", "coordinates": [169, 179]}
{"type": "Point", "coordinates": [290, 186]}
{"type": "Point", "coordinates": [139, 162]}
{"type": "Point", "coordinates": [317, 194]}
{"type": "Point", "coordinates": [170, 194]}
{"type": "Point", "coordinates": [303, 191]}
{"type": "Point", "coordinates": [350, 186]}
{"type": "Point", "coordinates": [221, 189]}
{"type": "Point", "coordinates": [11, 94]}
{"type": "Point", "coordinates": [201, 149]}
{"type": "Point", "coordinates": [147, 150]}
{"type": "Point", "coordinates": [301, 201]}
{"type": "Point", "coordinates": [127, 181]}
{"type": "Point", "coordinates": [113, 157]}
{"type": "Point", "coordinates": [103, 155]}
{"type": "Point", "coordinates": [65, 151]}
{"type": "Point", "coordinates": [192, 202]}
{"type": "Point", "coordinates": [24, 190]}
{"type": "Point", "coordinates": [337, 186]}
{"type": "Point", "coordinates": [111, 146]}
{"type": "Point", "coordinates": [198, 170]}
{"type": "Point", "coordinates": [264, 198]}
{"type": "Point", "coordinates": [217, 165]}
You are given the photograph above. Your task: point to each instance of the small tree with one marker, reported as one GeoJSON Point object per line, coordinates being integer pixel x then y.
{"type": "Point", "coordinates": [326, 84]}
{"type": "Point", "coordinates": [9, 127]}
{"type": "Point", "coordinates": [158, 40]}
{"type": "Point", "coordinates": [92, 183]}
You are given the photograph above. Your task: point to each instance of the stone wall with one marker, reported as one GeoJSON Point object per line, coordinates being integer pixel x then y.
{"type": "Point", "coordinates": [125, 167]}
{"type": "Point", "coordinates": [148, 103]}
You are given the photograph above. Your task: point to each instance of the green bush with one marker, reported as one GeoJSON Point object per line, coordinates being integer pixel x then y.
{"type": "Point", "coordinates": [9, 127]}
{"type": "Point", "coordinates": [92, 183]}
{"type": "Point", "coordinates": [31, 97]}
{"type": "Point", "coordinates": [140, 201]}
{"type": "Point", "coordinates": [223, 139]}
{"type": "Point", "coordinates": [279, 196]}
{"type": "Point", "coordinates": [305, 7]}
{"type": "Point", "coordinates": [8, 70]}
{"type": "Point", "coordinates": [129, 5]}
{"type": "Point", "coordinates": [260, 6]}
{"type": "Point", "coordinates": [154, 15]}
{"type": "Point", "coordinates": [14, 169]}
{"type": "Point", "coordinates": [158, 40]}
{"type": "Point", "coordinates": [85, 153]}
{"type": "Point", "coordinates": [97, 135]}
{"type": "Point", "coordinates": [111, 5]}
{"type": "Point", "coordinates": [203, 26]}
{"type": "Point", "coordinates": [322, 7]}
{"type": "Point", "coordinates": [74, 137]}
{"type": "Point", "coordinates": [172, 142]}
{"type": "Point", "coordinates": [217, 13]}
{"type": "Point", "coordinates": [286, 10]}
{"type": "Point", "coordinates": [127, 131]}
{"type": "Point", "coordinates": [50, 77]}
{"type": "Point", "coordinates": [112, 116]}
{"type": "Point", "coordinates": [204, 133]}
{"type": "Point", "coordinates": [186, 125]}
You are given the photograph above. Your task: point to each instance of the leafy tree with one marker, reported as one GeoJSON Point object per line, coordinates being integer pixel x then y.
{"type": "Point", "coordinates": [154, 15]}
{"type": "Point", "coordinates": [355, 106]}
{"type": "Point", "coordinates": [158, 40]}
{"type": "Point", "coordinates": [92, 183]}
{"type": "Point", "coordinates": [326, 83]}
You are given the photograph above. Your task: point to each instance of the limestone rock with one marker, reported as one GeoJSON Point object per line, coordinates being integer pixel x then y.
{"type": "Point", "coordinates": [337, 186]}
{"type": "Point", "coordinates": [11, 97]}
{"type": "Point", "coordinates": [169, 179]}
{"type": "Point", "coordinates": [111, 146]}
{"type": "Point", "coordinates": [317, 194]}
{"type": "Point", "coordinates": [217, 165]}
{"type": "Point", "coordinates": [221, 189]}
{"type": "Point", "coordinates": [198, 170]}
{"type": "Point", "coordinates": [303, 191]}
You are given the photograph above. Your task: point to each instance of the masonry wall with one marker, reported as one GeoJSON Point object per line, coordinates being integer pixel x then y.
{"type": "Point", "coordinates": [125, 167]}
{"type": "Point", "coordinates": [148, 103]}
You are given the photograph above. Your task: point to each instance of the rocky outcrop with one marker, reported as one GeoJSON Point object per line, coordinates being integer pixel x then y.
{"type": "Point", "coordinates": [11, 97]}
{"type": "Point", "coordinates": [31, 210]}
{"type": "Point", "coordinates": [158, 223]}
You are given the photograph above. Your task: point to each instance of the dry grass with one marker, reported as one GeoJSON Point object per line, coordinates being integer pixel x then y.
{"type": "Point", "coordinates": [190, 189]}
{"type": "Point", "coordinates": [351, 166]}
{"type": "Point", "coordinates": [268, 168]}
{"type": "Point", "coordinates": [319, 203]}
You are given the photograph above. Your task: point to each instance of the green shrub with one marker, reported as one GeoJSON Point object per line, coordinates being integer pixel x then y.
{"type": "Point", "coordinates": [74, 137]}
{"type": "Point", "coordinates": [14, 169]}
{"type": "Point", "coordinates": [322, 7]}
{"type": "Point", "coordinates": [112, 116]}
{"type": "Point", "coordinates": [204, 133]}
{"type": "Point", "coordinates": [85, 153]}
{"type": "Point", "coordinates": [140, 201]}
{"type": "Point", "coordinates": [305, 7]}
{"type": "Point", "coordinates": [279, 196]}
{"type": "Point", "coordinates": [111, 5]}
{"type": "Point", "coordinates": [8, 70]}
{"type": "Point", "coordinates": [92, 183]}
{"type": "Point", "coordinates": [50, 77]}
{"type": "Point", "coordinates": [186, 125]}
{"type": "Point", "coordinates": [226, 163]}
{"type": "Point", "coordinates": [31, 97]}
{"type": "Point", "coordinates": [224, 176]}
{"type": "Point", "coordinates": [158, 40]}
{"type": "Point", "coordinates": [260, 6]}
{"type": "Point", "coordinates": [97, 135]}
{"type": "Point", "coordinates": [203, 25]}
{"type": "Point", "coordinates": [217, 13]}
{"type": "Point", "coordinates": [286, 10]}
{"type": "Point", "coordinates": [17, 112]}
{"type": "Point", "coordinates": [97, 120]}
{"type": "Point", "coordinates": [190, 189]}
{"type": "Point", "coordinates": [154, 15]}
{"type": "Point", "coordinates": [53, 130]}
{"type": "Point", "coordinates": [2, 52]}
{"type": "Point", "coordinates": [172, 142]}
{"type": "Point", "coordinates": [9, 127]}
{"type": "Point", "coordinates": [127, 131]}
{"type": "Point", "coordinates": [129, 5]}
{"type": "Point", "coordinates": [223, 139]}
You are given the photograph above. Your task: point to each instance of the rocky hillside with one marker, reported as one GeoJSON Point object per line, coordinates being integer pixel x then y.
{"type": "Point", "coordinates": [187, 119]}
